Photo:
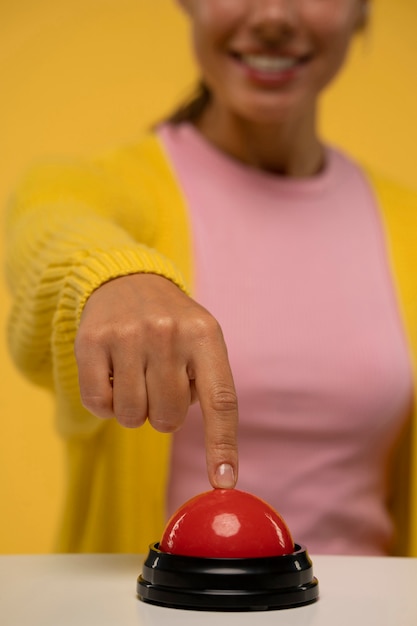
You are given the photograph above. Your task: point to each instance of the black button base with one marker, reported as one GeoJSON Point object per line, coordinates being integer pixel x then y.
{"type": "Point", "coordinates": [229, 584]}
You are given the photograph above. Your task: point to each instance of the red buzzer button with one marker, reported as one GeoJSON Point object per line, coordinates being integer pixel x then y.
{"type": "Point", "coordinates": [226, 523]}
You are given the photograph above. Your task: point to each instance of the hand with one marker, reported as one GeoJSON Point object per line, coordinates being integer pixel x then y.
{"type": "Point", "coordinates": [145, 350]}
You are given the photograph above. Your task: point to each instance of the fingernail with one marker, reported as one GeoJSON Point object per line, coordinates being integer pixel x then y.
{"type": "Point", "coordinates": [225, 476]}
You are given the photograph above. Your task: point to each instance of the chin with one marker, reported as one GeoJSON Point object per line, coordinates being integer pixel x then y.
{"type": "Point", "coordinates": [271, 110]}
{"type": "Point", "coordinates": [266, 116]}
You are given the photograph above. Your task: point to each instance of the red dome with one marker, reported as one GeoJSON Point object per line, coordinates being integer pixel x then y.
{"type": "Point", "coordinates": [226, 523]}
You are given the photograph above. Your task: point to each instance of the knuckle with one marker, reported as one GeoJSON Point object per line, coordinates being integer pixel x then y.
{"type": "Point", "coordinates": [225, 445]}
{"type": "Point", "coordinates": [162, 326]}
{"type": "Point", "coordinates": [82, 343]}
{"type": "Point", "coordinates": [223, 398]}
{"type": "Point", "coordinates": [167, 420]}
{"type": "Point", "coordinates": [96, 404]}
{"type": "Point", "coordinates": [205, 328]}
{"type": "Point", "coordinates": [164, 425]}
{"type": "Point", "coordinates": [88, 338]}
{"type": "Point", "coordinates": [119, 331]}
{"type": "Point", "coordinates": [129, 417]}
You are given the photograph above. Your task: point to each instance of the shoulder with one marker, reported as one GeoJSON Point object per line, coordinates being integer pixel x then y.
{"type": "Point", "coordinates": [136, 171]}
{"type": "Point", "coordinates": [386, 187]}
{"type": "Point", "coordinates": [395, 201]}
{"type": "Point", "coordinates": [397, 204]}
{"type": "Point", "coordinates": [392, 193]}
{"type": "Point", "coordinates": [141, 162]}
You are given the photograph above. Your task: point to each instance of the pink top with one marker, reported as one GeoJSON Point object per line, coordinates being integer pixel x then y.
{"type": "Point", "coordinates": [296, 273]}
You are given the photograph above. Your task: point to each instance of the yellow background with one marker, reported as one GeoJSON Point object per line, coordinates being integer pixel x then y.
{"type": "Point", "coordinates": [79, 76]}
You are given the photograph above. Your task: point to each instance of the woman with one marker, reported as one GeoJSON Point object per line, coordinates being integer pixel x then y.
{"type": "Point", "coordinates": [288, 251]}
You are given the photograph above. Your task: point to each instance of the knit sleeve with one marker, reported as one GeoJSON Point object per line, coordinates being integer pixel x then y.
{"type": "Point", "coordinates": [70, 228]}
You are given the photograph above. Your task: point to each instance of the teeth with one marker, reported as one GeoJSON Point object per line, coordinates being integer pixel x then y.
{"type": "Point", "coordinates": [268, 64]}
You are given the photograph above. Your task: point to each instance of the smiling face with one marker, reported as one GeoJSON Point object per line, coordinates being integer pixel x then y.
{"type": "Point", "coordinates": [266, 59]}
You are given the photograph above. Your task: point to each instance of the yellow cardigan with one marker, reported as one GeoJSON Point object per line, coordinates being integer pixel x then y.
{"type": "Point", "coordinates": [73, 226]}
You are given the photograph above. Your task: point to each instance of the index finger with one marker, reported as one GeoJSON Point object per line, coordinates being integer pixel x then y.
{"type": "Point", "coordinates": [218, 400]}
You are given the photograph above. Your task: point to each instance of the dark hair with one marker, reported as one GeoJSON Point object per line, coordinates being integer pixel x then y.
{"type": "Point", "coordinates": [191, 108]}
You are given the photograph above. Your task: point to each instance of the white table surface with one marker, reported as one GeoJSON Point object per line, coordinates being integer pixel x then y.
{"type": "Point", "coordinates": [100, 590]}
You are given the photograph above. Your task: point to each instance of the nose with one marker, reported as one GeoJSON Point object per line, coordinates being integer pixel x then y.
{"type": "Point", "coordinates": [273, 20]}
